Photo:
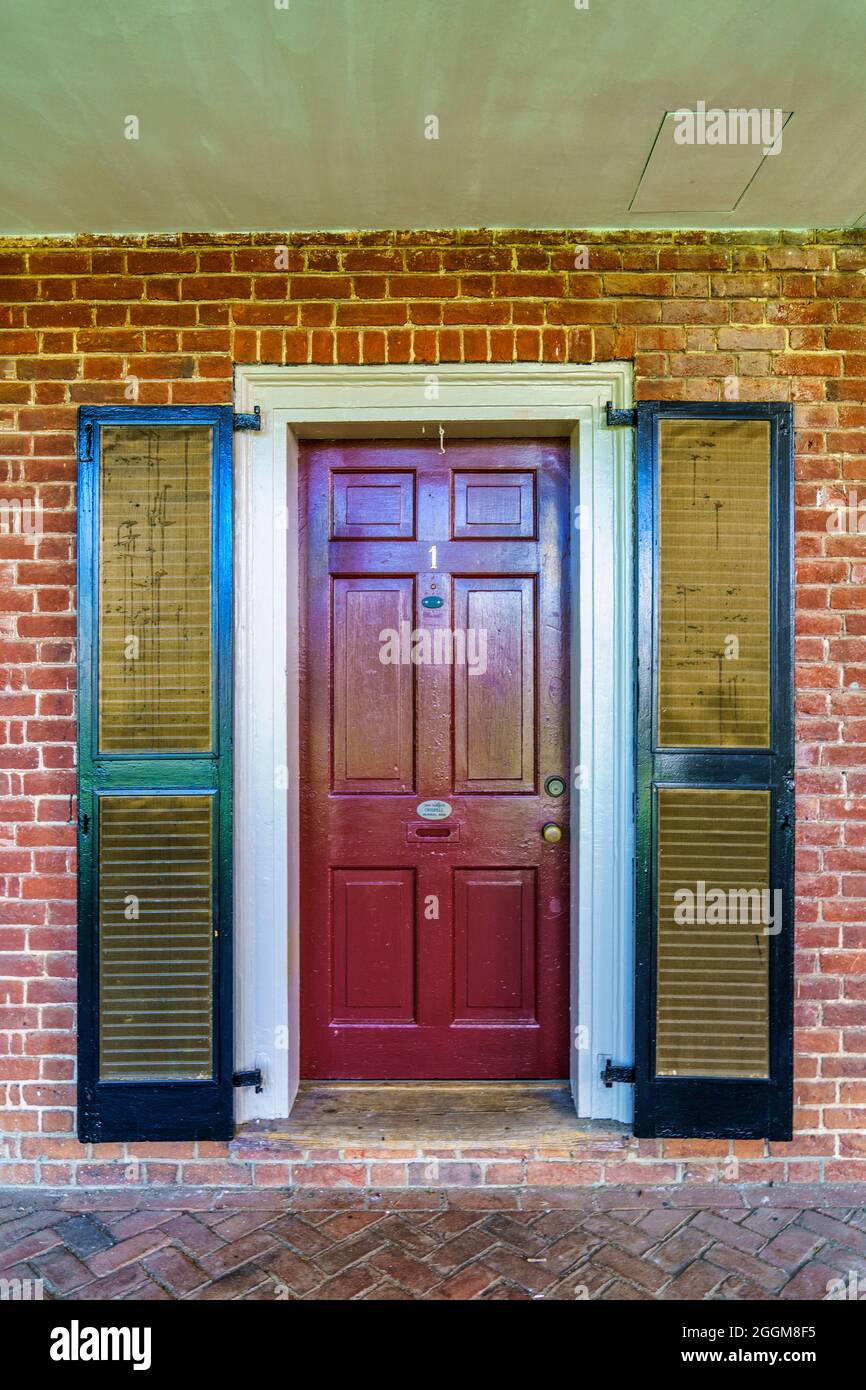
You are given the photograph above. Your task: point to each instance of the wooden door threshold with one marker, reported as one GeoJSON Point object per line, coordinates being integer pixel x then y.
{"type": "Point", "coordinates": [421, 1115]}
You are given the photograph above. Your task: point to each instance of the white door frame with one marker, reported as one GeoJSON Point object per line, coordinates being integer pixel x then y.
{"type": "Point", "coordinates": [299, 401]}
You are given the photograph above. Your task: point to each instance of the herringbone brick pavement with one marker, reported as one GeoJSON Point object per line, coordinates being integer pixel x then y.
{"type": "Point", "coordinates": [225, 1246]}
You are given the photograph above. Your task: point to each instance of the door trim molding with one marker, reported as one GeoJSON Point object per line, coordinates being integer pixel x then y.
{"type": "Point", "coordinates": [299, 401]}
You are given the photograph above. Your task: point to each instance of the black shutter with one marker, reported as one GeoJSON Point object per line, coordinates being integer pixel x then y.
{"type": "Point", "coordinates": [154, 765]}
{"type": "Point", "coordinates": [714, 775]}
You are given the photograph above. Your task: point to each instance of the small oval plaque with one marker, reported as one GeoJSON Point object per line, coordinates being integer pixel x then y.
{"type": "Point", "coordinates": [433, 810]}
{"type": "Point", "coordinates": [432, 601]}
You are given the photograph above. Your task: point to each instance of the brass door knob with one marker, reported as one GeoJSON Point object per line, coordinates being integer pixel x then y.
{"type": "Point", "coordinates": [551, 832]}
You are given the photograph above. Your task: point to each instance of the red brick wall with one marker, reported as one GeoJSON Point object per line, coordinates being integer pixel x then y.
{"type": "Point", "coordinates": [783, 316]}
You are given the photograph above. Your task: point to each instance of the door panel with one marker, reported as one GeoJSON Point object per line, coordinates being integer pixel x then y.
{"type": "Point", "coordinates": [372, 506]}
{"type": "Point", "coordinates": [434, 668]}
{"type": "Point", "coordinates": [494, 700]}
{"type": "Point", "coordinates": [374, 951]}
{"type": "Point", "coordinates": [494, 965]}
{"type": "Point", "coordinates": [495, 506]}
{"type": "Point", "coordinates": [370, 754]}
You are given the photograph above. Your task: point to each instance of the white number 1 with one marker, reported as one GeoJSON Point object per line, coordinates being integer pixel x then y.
{"type": "Point", "coordinates": [433, 557]}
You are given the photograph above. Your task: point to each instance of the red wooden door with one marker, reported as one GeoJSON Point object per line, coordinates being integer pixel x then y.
{"type": "Point", "coordinates": [434, 667]}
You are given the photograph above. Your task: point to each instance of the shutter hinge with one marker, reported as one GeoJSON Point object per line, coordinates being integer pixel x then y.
{"type": "Point", "coordinates": [248, 422]}
{"type": "Point", "coordinates": [610, 1074]}
{"type": "Point", "coordinates": [621, 417]}
{"type": "Point", "coordinates": [249, 1078]}
{"type": "Point", "coordinates": [87, 442]}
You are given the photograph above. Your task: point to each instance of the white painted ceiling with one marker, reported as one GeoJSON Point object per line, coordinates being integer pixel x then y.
{"type": "Point", "coordinates": [254, 116]}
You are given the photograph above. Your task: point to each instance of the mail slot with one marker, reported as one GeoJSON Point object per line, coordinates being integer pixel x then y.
{"type": "Point", "coordinates": [423, 830]}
